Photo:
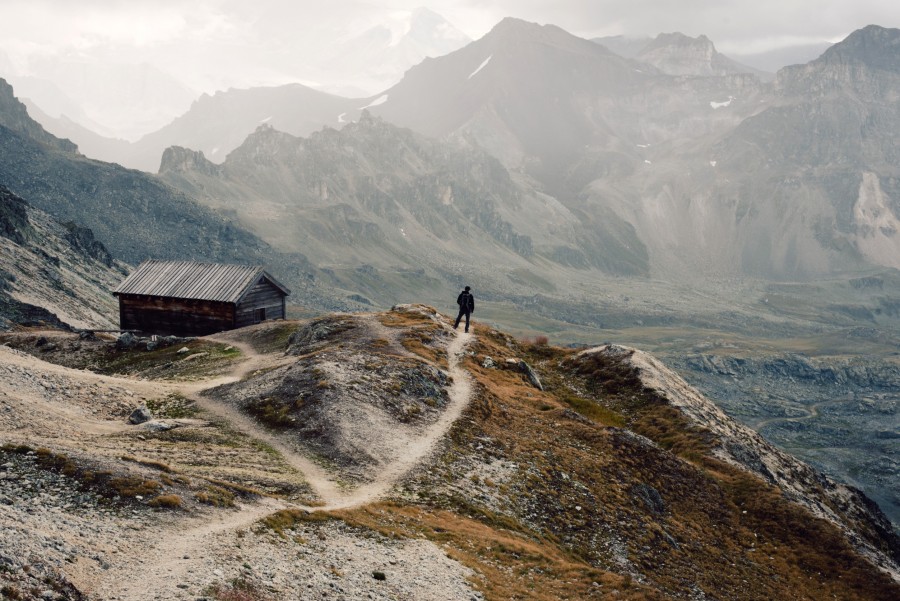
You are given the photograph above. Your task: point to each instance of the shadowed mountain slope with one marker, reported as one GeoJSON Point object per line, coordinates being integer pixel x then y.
{"type": "Point", "coordinates": [51, 273]}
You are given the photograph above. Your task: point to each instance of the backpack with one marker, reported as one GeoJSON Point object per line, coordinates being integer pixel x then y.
{"type": "Point", "coordinates": [466, 301]}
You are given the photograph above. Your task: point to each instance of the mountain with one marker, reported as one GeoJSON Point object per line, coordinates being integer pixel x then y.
{"type": "Point", "coordinates": [678, 54]}
{"type": "Point", "coordinates": [561, 108]}
{"type": "Point", "coordinates": [773, 60]}
{"type": "Point", "coordinates": [385, 455]}
{"type": "Point", "coordinates": [125, 99]}
{"type": "Point", "coordinates": [136, 215]}
{"type": "Point", "coordinates": [377, 58]}
{"type": "Point", "coordinates": [90, 143]}
{"type": "Point", "coordinates": [627, 46]}
{"type": "Point", "coordinates": [217, 124]}
{"type": "Point", "coordinates": [53, 274]}
{"type": "Point", "coordinates": [762, 63]}
{"type": "Point", "coordinates": [379, 196]}
{"type": "Point", "coordinates": [813, 177]}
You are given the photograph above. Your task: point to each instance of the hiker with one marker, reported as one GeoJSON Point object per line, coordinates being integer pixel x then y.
{"type": "Point", "coordinates": [466, 303]}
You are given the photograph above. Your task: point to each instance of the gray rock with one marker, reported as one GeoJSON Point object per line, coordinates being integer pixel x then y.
{"type": "Point", "coordinates": [531, 375]}
{"type": "Point", "coordinates": [488, 363]}
{"type": "Point", "coordinates": [140, 415]}
{"type": "Point", "coordinates": [126, 341]}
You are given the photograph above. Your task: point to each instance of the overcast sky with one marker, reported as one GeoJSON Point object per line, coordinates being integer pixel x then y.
{"type": "Point", "coordinates": [46, 25]}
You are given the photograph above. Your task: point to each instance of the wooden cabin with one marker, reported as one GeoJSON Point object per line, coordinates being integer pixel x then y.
{"type": "Point", "coordinates": [184, 298]}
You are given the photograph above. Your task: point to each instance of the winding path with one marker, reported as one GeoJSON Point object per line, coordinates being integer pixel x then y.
{"type": "Point", "coordinates": [176, 556]}
{"type": "Point", "coordinates": [331, 494]}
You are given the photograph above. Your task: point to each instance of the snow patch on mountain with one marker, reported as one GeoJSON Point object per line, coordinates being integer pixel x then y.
{"type": "Point", "coordinates": [480, 67]}
{"type": "Point", "coordinates": [718, 105]}
{"type": "Point", "coordinates": [378, 101]}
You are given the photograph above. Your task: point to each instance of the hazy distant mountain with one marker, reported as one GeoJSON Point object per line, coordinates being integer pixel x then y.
{"type": "Point", "coordinates": [626, 46]}
{"type": "Point", "coordinates": [767, 62]}
{"type": "Point", "coordinates": [54, 102]}
{"type": "Point", "coordinates": [89, 143]}
{"type": "Point", "coordinates": [379, 195]}
{"type": "Point", "coordinates": [127, 100]}
{"type": "Point", "coordinates": [807, 186]}
{"type": "Point", "coordinates": [377, 58]}
{"type": "Point", "coordinates": [678, 54]}
{"type": "Point", "coordinates": [773, 60]}
{"type": "Point", "coordinates": [562, 108]}
{"type": "Point", "coordinates": [218, 124]}
{"type": "Point", "coordinates": [703, 168]}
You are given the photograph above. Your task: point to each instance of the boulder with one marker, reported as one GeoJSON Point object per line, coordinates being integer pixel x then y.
{"type": "Point", "coordinates": [140, 415]}
{"type": "Point", "coordinates": [126, 341]}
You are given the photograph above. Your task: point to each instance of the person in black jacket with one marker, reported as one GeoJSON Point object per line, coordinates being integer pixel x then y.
{"type": "Point", "coordinates": [466, 303]}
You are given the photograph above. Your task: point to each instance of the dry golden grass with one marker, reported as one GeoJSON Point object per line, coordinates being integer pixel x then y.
{"type": "Point", "coordinates": [165, 501]}
{"type": "Point", "coordinates": [158, 465]}
{"type": "Point", "coordinates": [580, 482]}
{"type": "Point", "coordinates": [507, 565]}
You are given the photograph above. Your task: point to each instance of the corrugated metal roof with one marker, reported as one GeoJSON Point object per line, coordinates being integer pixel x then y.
{"type": "Point", "coordinates": [196, 281]}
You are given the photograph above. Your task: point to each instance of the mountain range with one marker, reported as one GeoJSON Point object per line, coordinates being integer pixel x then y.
{"type": "Point", "coordinates": [578, 190]}
{"type": "Point", "coordinates": [671, 163]}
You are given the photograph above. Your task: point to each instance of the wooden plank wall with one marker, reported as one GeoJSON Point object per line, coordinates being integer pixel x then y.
{"type": "Point", "coordinates": [263, 295]}
{"type": "Point", "coordinates": [168, 316]}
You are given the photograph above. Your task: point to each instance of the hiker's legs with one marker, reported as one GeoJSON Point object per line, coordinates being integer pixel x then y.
{"type": "Point", "coordinates": [458, 317]}
{"type": "Point", "coordinates": [467, 321]}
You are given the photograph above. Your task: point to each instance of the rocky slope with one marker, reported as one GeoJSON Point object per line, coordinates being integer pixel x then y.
{"type": "Point", "coordinates": [136, 215]}
{"type": "Point", "coordinates": [808, 185]}
{"type": "Point", "coordinates": [613, 480]}
{"type": "Point", "coordinates": [838, 413]}
{"type": "Point", "coordinates": [373, 196]}
{"type": "Point", "coordinates": [53, 273]}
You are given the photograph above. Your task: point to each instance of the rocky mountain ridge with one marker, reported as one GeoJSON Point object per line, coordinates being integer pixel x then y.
{"type": "Point", "coordinates": [678, 54]}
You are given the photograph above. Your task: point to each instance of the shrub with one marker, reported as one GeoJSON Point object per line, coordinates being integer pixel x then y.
{"type": "Point", "coordinates": [131, 486]}
{"type": "Point", "coordinates": [238, 589]}
{"type": "Point", "coordinates": [216, 496]}
{"type": "Point", "coordinates": [166, 501]}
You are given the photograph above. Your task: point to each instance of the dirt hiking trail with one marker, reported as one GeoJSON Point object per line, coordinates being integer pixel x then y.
{"type": "Point", "coordinates": [331, 494]}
